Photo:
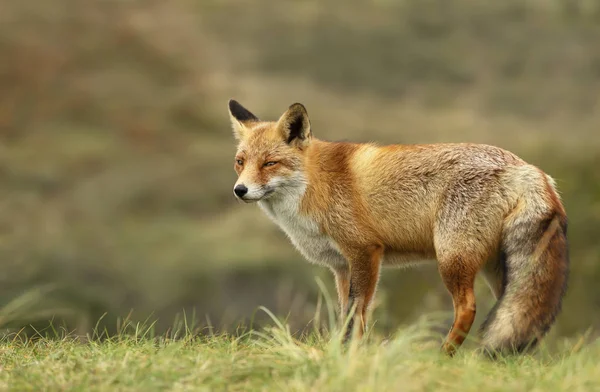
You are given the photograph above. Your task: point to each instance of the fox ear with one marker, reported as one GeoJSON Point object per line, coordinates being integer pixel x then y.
{"type": "Point", "coordinates": [240, 119]}
{"type": "Point", "coordinates": [295, 125]}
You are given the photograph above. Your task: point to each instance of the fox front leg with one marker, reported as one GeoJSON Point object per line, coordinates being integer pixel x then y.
{"type": "Point", "coordinates": [365, 264]}
{"type": "Point", "coordinates": [342, 284]}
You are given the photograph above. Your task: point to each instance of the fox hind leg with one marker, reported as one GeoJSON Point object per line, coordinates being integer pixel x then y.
{"type": "Point", "coordinates": [465, 237]}
{"type": "Point", "coordinates": [459, 278]}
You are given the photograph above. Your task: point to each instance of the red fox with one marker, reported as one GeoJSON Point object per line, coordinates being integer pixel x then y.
{"type": "Point", "coordinates": [357, 207]}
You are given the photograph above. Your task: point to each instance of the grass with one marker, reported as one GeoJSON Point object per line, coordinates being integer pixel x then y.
{"type": "Point", "coordinates": [274, 359]}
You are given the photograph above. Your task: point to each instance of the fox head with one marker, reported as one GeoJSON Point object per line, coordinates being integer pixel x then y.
{"type": "Point", "coordinates": [270, 155]}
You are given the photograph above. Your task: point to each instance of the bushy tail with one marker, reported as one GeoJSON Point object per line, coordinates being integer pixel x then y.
{"type": "Point", "coordinates": [536, 271]}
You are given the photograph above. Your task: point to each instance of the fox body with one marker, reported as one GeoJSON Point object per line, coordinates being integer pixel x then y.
{"type": "Point", "coordinates": [357, 207]}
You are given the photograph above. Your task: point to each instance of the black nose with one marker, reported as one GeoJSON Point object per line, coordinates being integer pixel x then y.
{"type": "Point", "coordinates": [240, 190]}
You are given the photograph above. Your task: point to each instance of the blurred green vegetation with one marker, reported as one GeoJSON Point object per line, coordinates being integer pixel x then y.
{"type": "Point", "coordinates": [116, 152]}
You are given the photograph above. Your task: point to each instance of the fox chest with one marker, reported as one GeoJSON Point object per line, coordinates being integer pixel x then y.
{"type": "Point", "coordinates": [305, 234]}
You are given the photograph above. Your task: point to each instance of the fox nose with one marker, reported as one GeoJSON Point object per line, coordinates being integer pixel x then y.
{"type": "Point", "coordinates": [240, 190]}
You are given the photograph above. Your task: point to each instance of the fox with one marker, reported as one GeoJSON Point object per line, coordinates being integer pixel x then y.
{"type": "Point", "coordinates": [358, 207]}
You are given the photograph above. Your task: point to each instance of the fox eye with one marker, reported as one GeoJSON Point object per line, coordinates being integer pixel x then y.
{"type": "Point", "coordinates": [239, 162]}
{"type": "Point", "coordinates": [271, 163]}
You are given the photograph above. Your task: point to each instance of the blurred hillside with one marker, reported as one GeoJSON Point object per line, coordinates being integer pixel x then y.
{"type": "Point", "coordinates": [116, 152]}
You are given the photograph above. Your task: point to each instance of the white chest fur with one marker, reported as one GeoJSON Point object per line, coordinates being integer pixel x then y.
{"type": "Point", "coordinates": [302, 231]}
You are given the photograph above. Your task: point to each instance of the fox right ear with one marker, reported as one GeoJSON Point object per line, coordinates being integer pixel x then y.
{"type": "Point", "coordinates": [240, 119]}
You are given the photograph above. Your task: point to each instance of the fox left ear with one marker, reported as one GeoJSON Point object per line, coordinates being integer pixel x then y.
{"type": "Point", "coordinates": [295, 125]}
{"type": "Point", "coordinates": [240, 119]}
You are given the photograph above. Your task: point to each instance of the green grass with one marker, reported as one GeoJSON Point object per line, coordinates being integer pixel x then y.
{"type": "Point", "coordinates": [272, 359]}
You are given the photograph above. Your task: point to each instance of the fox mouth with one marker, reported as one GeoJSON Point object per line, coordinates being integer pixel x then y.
{"type": "Point", "coordinates": [267, 193]}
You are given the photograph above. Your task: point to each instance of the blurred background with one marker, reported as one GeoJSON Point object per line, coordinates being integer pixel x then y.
{"type": "Point", "coordinates": [116, 152]}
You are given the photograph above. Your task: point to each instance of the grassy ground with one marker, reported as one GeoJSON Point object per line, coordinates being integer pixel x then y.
{"type": "Point", "coordinates": [274, 360]}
